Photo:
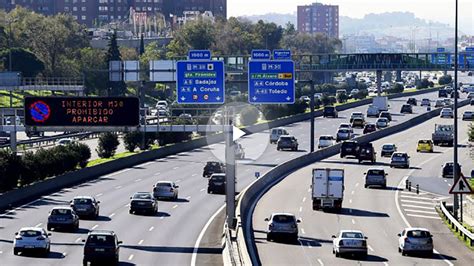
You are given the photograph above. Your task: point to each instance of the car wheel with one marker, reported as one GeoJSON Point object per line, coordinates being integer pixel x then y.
{"type": "Point", "coordinates": [337, 254]}
{"type": "Point", "coordinates": [48, 227]}
{"type": "Point", "coordinates": [209, 191]}
{"type": "Point", "coordinates": [84, 263]}
{"type": "Point", "coordinates": [16, 251]}
{"type": "Point", "coordinates": [269, 237]}
{"type": "Point", "coordinates": [404, 253]}
{"type": "Point", "coordinates": [130, 211]}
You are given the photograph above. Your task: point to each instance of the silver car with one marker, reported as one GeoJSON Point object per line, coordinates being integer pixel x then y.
{"type": "Point", "coordinates": [351, 242]}
{"type": "Point", "coordinates": [468, 116]}
{"type": "Point", "coordinates": [446, 112]}
{"type": "Point", "coordinates": [165, 189]}
{"type": "Point", "coordinates": [31, 239]}
{"type": "Point", "coordinates": [343, 134]}
{"type": "Point", "coordinates": [381, 122]}
{"type": "Point", "coordinates": [284, 224]}
{"type": "Point", "coordinates": [415, 240]}
{"type": "Point", "coordinates": [63, 217]}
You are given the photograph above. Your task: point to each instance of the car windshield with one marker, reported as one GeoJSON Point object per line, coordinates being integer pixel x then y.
{"type": "Point", "coordinates": [218, 178]}
{"type": "Point", "coordinates": [375, 172]}
{"type": "Point", "coordinates": [325, 138]}
{"type": "Point", "coordinates": [418, 234]}
{"type": "Point", "coordinates": [387, 147]}
{"type": "Point", "coordinates": [399, 155]}
{"type": "Point", "coordinates": [163, 185]}
{"type": "Point", "coordinates": [100, 240]}
{"type": "Point", "coordinates": [61, 212]}
{"type": "Point", "coordinates": [283, 219]}
{"type": "Point", "coordinates": [343, 130]}
{"type": "Point", "coordinates": [382, 121]}
{"type": "Point", "coordinates": [82, 201]}
{"type": "Point", "coordinates": [142, 196]}
{"type": "Point", "coordinates": [424, 142]}
{"type": "Point", "coordinates": [285, 138]}
{"type": "Point", "coordinates": [352, 235]}
{"type": "Point", "coordinates": [30, 233]}
{"type": "Point", "coordinates": [349, 144]}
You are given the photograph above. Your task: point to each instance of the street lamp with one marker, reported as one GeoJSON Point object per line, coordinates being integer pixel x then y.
{"type": "Point", "coordinates": [455, 168]}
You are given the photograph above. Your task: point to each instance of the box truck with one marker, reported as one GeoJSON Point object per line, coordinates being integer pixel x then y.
{"type": "Point", "coordinates": [327, 188]}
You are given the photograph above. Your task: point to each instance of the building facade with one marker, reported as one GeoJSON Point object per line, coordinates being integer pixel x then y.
{"type": "Point", "coordinates": [96, 12]}
{"type": "Point", "coordinates": [318, 18]}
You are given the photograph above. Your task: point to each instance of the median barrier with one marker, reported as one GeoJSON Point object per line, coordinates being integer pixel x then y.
{"type": "Point", "coordinates": [247, 253]}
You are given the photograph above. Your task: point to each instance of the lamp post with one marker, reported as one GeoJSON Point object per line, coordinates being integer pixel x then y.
{"type": "Point", "coordinates": [455, 168]}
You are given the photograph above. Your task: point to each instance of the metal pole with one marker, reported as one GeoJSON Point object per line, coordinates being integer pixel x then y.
{"type": "Point", "coordinates": [461, 212]}
{"type": "Point", "coordinates": [456, 172]}
{"type": "Point", "coordinates": [311, 106]}
{"type": "Point", "coordinates": [10, 58]}
{"type": "Point", "coordinates": [230, 171]}
{"type": "Point", "coordinates": [141, 92]}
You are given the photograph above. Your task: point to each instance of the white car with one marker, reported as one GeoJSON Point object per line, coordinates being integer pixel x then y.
{"type": "Point", "coordinates": [346, 126]}
{"type": "Point", "coordinates": [305, 98]}
{"type": "Point", "coordinates": [276, 133]}
{"type": "Point", "coordinates": [468, 116]}
{"type": "Point", "coordinates": [356, 115]}
{"type": "Point", "coordinates": [349, 242]}
{"type": "Point", "coordinates": [31, 239]}
{"type": "Point", "coordinates": [162, 105]}
{"type": "Point", "coordinates": [326, 141]}
{"type": "Point", "coordinates": [165, 189]}
{"type": "Point", "coordinates": [425, 102]}
{"type": "Point", "coordinates": [439, 103]}
{"type": "Point", "coordinates": [163, 113]}
{"type": "Point", "coordinates": [381, 122]}
{"type": "Point", "coordinates": [373, 111]}
{"type": "Point", "coordinates": [64, 142]}
{"type": "Point", "coordinates": [318, 95]}
{"type": "Point", "coordinates": [446, 112]}
{"type": "Point", "coordinates": [284, 224]}
{"type": "Point", "coordinates": [415, 240]}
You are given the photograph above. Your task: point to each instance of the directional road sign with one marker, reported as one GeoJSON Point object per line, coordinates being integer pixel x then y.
{"type": "Point", "coordinates": [461, 187]}
{"type": "Point", "coordinates": [281, 55]}
{"type": "Point", "coordinates": [271, 82]}
{"type": "Point", "coordinates": [441, 57]}
{"type": "Point", "coordinates": [260, 54]}
{"type": "Point", "coordinates": [466, 58]}
{"type": "Point", "coordinates": [200, 82]}
{"type": "Point", "coordinates": [199, 55]}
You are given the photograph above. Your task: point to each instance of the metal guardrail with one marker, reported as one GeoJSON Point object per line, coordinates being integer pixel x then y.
{"type": "Point", "coordinates": [455, 225]}
{"type": "Point", "coordinates": [51, 140]}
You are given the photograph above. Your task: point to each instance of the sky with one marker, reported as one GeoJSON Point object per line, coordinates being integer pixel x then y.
{"type": "Point", "coordinates": [435, 10]}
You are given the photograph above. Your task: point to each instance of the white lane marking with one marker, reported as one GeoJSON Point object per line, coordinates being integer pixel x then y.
{"type": "Point", "coordinates": [301, 209]}
{"type": "Point", "coordinates": [194, 174]}
{"type": "Point", "coordinates": [320, 262]}
{"type": "Point", "coordinates": [309, 189]}
{"type": "Point", "coordinates": [176, 167]}
{"type": "Point", "coordinates": [415, 206]}
{"type": "Point", "coordinates": [385, 263]}
{"type": "Point", "coordinates": [112, 215]}
{"type": "Point", "coordinates": [38, 225]}
{"type": "Point", "coordinates": [202, 189]}
{"type": "Point", "coordinates": [131, 257]}
{"type": "Point", "coordinates": [427, 212]}
{"type": "Point", "coordinates": [302, 231]}
{"type": "Point", "coordinates": [64, 254]}
{"type": "Point", "coordinates": [162, 217]}
{"type": "Point", "coordinates": [188, 197]}
{"type": "Point", "coordinates": [353, 221]}
{"type": "Point", "coordinates": [179, 180]}
{"type": "Point", "coordinates": [449, 185]}
{"type": "Point", "coordinates": [413, 193]}
{"type": "Point", "coordinates": [1, 251]}
{"type": "Point", "coordinates": [350, 201]}
{"type": "Point", "coordinates": [352, 193]}
{"type": "Point", "coordinates": [145, 164]}
{"type": "Point", "coordinates": [140, 242]}
{"type": "Point", "coordinates": [77, 240]}
{"type": "Point", "coordinates": [175, 206]}
{"type": "Point", "coordinates": [277, 159]}
{"type": "Point", "coordinates": [98, 195]}
{"type": "Point", "coordinates": [118, 173]}
{"type": "Point", "coordinates": [370, 248]}
{"type": "Point", "coordinates": [414, 197]}
{"type": "Point", "coordinates": [118, 187]}
{"type": "Point", "coordinates": [201, 235]}
{"type": "Point", "coordinates": [151, 229]}
{"type": "Point", "coordinates": [357, 184]}
{"type": "Point", "coordinates": [156, 174]}
{"type": "Point", "coordinates": [127, 205]}
{"type": "Point", "coordinates": [292, 154]}
{"type": "Point", "coordinates": [138, 180]}
{"type": "Point", "coordinates": [304, 199]}
{"type": "Point", "coordinates": [94, 227]}
{"type": "Point", "coordinates": [424, 216]}
{"type": "Point", "coordinates": [419, 202]}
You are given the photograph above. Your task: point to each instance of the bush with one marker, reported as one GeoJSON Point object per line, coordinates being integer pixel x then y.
{"type": "Point", "coordinates": [471, 132]}
{"type": "Point", "coordinates": [444, 80]}
{"type": "Point", "coordinates": [83, 151]}
{"type": "Point", "coordinates": [108, 143]}
{"type": "Point", "coordinates": [328, 100]}
{"type": "Point", "coordinates": [132, 140]}
{"type": "Point", "coordinates": [396, 88]}
{"type": "Point", "coordinates": [362, 94]}
{"type": "Point", "coordinates": [10, 170]}
{"type": "Point", "coordinates": [424, 83]}
{"type": "Point", "coordinates": [249, 116]}
{"type": "Point", "coordinates": [299, 107]}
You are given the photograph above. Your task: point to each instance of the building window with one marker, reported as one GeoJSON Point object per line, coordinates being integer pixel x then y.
{"type": "Point", "coordinates": [83, 8]}
{"type": "Point", "coordinates": [83, 17]}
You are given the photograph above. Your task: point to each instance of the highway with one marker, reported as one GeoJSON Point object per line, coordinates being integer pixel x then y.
{"type": "Point", "coordinates": [169, 237]}
{"type": "Point", "coordinates": [380, 213]}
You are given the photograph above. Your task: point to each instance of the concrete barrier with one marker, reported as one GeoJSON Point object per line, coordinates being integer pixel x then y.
{"type": "Point", "coordinates": [22, 195]}
{"type": "Point", "coordinates": [250, 196]}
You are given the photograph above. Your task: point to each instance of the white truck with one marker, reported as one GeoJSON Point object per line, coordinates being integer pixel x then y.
{"type": "Point", "coordinates": [381, 102]}
{"type": "Point", "coordinates": [327, 189]}
{"type": "Point", "coordinates": [443, 134]}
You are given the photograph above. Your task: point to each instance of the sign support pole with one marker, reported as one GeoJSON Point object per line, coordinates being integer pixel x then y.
{"type": "Point", "coordinates": [311, 106]}
{"type": "Point", "coordinates": [461, 212]}
{"type": "Point", "coordinates": [142, 109]}
{"type": "Point", "coordinates": [230, 170]}
{"type": "Point", "coordinates": [455, 167]}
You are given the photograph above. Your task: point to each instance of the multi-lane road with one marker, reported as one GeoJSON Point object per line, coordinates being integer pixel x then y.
{"type": "Point", "coordinates": [380, 213]}
{"type": "Point", "coordinates": [168, 238]}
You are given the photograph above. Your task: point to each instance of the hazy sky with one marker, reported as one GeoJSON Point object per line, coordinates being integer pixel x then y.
{"type": "Point", "coordinates": [436, 10]}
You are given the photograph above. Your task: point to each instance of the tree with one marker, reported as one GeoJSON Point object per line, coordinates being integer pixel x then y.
{"type": "Point", "coordinates": [249, 116]}
{"type": "Point", "coordinates": [424, 83]}
{"type": "Point", "coordinates": [82, 151]}
{"type": "Point", "coordinates": [444, 80]}
{"type": "Point", "coordinates": [199, 34]}
{"type": "Point", "coordinates": [236, 36]}
{"type": "Point", "coordinates": [91, 60]}
{"type": "Point", "coordinates": [396, 88]}
{"type": "Point", "coordinates": [23, 61]}
{"type": "Point", "coordinates": [132, 140]}
{"type": "Point", "coordinates": [269, 34]}
{"type": "Point", "coordinates": [115, 88]}
{"type": "Point", "coordinates": [108, 143]}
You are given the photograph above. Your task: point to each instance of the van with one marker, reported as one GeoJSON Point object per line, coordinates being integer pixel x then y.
{"type": "Point", "coordinates": [276, 133]}
{"type": "Point", "coordinates": [375, 177]}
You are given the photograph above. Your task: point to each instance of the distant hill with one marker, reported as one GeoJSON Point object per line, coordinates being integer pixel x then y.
{"type": "Point", "coordinates": [389, 23]}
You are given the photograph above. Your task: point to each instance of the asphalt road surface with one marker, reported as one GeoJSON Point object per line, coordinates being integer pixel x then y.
{"type": "Point", "coordinates": [380, 213]}
{"type": "Point", "coordinates": [168, 238]}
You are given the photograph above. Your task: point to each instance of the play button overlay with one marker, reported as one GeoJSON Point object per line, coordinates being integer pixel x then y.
{"type": "Point", "coordinates": [237, 133]}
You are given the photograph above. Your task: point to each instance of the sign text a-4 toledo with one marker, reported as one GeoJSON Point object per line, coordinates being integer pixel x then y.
{"type": "Point", "coordinates": [271, 82]}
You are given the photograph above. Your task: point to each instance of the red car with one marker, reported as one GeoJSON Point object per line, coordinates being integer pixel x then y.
{"type": "Point", "coordinates": [368, 128]}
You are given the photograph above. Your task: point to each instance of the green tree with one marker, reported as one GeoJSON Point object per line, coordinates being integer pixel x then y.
{"type": "Point", "coordinates": [249, 116]}
{"type": "Point", "coordinates": [270, 35]}
{"type": "Point", "coordinates": [199, 34]}
{"type": "Point", "coordinates": [23, 61]}
{"type": "Point", "coordinates": [93, 63]}
{"type": "Point", "coordinates": [83, 153]}
{"type": "Point", "coordinates": [10, 169]}
{"type": "Point", "coordinates": [115, 88]}
{"type": "Point", "coordinates": [236, 36]}
{"type": "Point", "coordinates": [132, 140]}
{"type": "Point", "coordinates": [108, 143]}
{"type": "Point", "coordinates": [444, 80]}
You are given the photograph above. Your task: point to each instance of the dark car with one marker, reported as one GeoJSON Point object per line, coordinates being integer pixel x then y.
{"type": "Point", "coordinates": [143, 202]}
{"type": "Point", "coordinates": [412, 101]}
{"type": "Point", "coordinates": [287, 142]}
{"type": "Point", "coordinates": [212, 168]}
{"type": "Point", "coordinates": [101, 247]}
{"type": "Point", "coordinates": [330, 111]}
{"type": "Point", "coordinates": [216, 184]}
{"type": "Point", "coordinates": [85, 206]}
{"type": "Point", "coordinates": [471, 102]}
{"type": "Point", "coordinates": [63, 218]}
{"type": "Point", "coordinates": [448, 170]}
{"type": "Point", "coordinates": [400, 159]}
{"type": "Point", "coordinates": [33, 133]}
{"type": "Point", "coordinates": [442, 93]}
{"type": "Point", "coordinates": [386, 115]}
{"type": "Point", "coordinates": [349, 148]}
{"type": "Point", "coordinates": [369, 128]}
{"type": "Point", "coordinates": [366, 152]}
{"type": "Point", "coordinates": [406, 109]}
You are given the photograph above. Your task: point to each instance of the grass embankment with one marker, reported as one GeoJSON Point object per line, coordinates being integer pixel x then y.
{"type": "Point", "coordinates": [457, 234]}
{"type": "Point", "coordinates": [115, 157]}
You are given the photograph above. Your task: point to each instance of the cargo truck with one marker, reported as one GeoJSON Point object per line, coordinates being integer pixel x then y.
{"type": "Point", "coordinates": [327, 188]}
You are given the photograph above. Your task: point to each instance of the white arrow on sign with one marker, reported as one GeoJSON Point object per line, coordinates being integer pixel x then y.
{"type": "Point", "coordinates": [218, 98]}
{"type": "Point", "coordinates": [237, 133]}
{"type": "Point", "coordinates": [254, 98]}
{"type": "Point", "coordinates": [288, 98]}
{"type": "Point", "coordinates": [183, 98]}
